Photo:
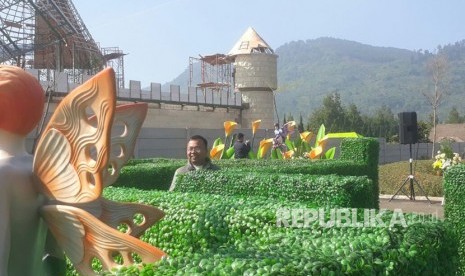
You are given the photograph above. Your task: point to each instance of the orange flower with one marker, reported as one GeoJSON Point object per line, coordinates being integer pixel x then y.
{"type": "Point", "coordinates": [265, 145]}
{"type": "Point", "coordinates": [316, 152]}
{"type": "Point", "coordinates": [215, 152]}
{"type": "Point", "coordinates": [288, 154]}
{"type": "Point", "coordinates": [229, 127]}
{"type": "Point", "coordinates": [255, 125]}
{"type": "Point", "coordinates": [306, 136]}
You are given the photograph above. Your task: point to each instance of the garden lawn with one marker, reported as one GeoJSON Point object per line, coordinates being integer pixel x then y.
{"type": "Point", "coordinates": [392, 175]}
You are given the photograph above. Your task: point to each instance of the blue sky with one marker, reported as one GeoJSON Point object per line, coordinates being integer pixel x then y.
{"type": "Point", "coordinates": [160, 35]}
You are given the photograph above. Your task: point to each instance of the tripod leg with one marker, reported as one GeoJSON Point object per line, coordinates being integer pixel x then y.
{"type": "Point", "coordinates": [401, 187]}
{"type": "Point", "coordinates": [419, 186]}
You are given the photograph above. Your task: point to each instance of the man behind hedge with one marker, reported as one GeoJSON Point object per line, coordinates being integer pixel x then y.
{"type": "Point", "coordinates": [197, 158]}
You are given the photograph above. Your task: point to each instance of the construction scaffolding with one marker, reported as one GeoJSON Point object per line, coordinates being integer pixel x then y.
{"type": "Point", "coordinates": [48, 35]}
{"type": "Point", "coordinates": [114, 57]}
{"type": "Point", "coordinates": [215, 73]}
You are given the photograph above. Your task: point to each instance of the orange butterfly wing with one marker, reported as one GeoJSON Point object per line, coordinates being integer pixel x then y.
{"type": "Point", "coordinates": [85, 238]}
{"type": "Point", "coordinates": [126, 125]}
{"type": "Point", "coordinates": [75, 159]}
{"type": "Point", "coordinates": [84, 143]}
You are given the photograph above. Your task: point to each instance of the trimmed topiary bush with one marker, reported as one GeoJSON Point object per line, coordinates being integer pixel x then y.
{"type": "Point", "coordinates": [365, 151]}
{"type": "Point", "coordinates": [148, 175]}
{"type": "Point", "coordinates": [454, 210]}
{"type": "Point", "coordinates": [321, 190]}
{"type": "Point", "coordinates": [222, 235]}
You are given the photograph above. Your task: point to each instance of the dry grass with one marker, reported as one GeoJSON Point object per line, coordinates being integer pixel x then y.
{"type": "Point", "coordinates": [391, 177]}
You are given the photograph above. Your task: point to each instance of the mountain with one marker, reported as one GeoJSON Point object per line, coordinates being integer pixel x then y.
{"type": "Point", "coordinates": [364, 75]}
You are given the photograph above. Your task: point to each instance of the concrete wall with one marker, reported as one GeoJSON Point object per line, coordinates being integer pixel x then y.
{"type": "Point", "coordinates": [185, 116]}
{"type": "Point", "coordinates": [171, 109]}
{"type": "Point", "coordinates": [171, 143]}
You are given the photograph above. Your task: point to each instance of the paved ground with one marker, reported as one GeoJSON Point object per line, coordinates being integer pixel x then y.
{"type": "Point", "coordinates": [419, 205]}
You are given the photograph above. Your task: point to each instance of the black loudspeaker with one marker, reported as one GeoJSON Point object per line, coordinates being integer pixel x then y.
{"type": "Point", "coordinates": [408, 128]}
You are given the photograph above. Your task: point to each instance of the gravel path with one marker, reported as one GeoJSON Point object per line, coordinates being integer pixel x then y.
{"type": "Point", "coordinates": [419, 205]}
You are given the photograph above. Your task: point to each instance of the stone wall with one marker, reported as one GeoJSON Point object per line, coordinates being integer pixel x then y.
{"type": "Point", "coordinates": [256, 70]}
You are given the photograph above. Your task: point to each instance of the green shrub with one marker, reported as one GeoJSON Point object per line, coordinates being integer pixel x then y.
{"type": "Point", "coordinates": [147, 175]}
{"type": "Point", "coordinates": [454, 210]}
{"type": "Point", "coordinates": [356, 160]}
{"type": "Point", "coordinates": [321, 190]}
{"type": "Point", "coordinates": [365, 151]}
{"type": "Point", "coordinates": [220, 235]}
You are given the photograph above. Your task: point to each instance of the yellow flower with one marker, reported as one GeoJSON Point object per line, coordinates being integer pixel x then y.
{"type": "Point", "coordinates": [265, 145]}
{"type": "Point", "coordinates": [288, 154]}
{"type": "Point", "coordinates": [437, 164]}
{"type": "Point", "coordinates": [323, 141]}
{"type": "Point", "coordinates": [316, 152]}
{"type": "Point", "coordinates": [306, 136]}
{"type": "Point", "coordinates": [229, 127]}
{"type": "Point", "coordinates": [215, 152]}
{"type": "Point", "coordinates": [255, 125]}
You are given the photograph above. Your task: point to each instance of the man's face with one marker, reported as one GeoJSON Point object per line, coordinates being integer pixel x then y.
{"type": "Point", "coordinates": [196, 152]}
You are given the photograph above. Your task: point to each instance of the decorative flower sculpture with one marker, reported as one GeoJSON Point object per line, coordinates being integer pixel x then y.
{"type": "Point", "coordinates": [229, 127]}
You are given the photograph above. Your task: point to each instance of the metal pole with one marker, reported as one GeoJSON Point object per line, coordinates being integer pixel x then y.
{"type": "Point", "coordinates": [412, 191]}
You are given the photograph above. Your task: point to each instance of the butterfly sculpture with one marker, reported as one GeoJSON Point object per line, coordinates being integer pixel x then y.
{"type": "Point", "coordinates": [281, 135]}
{"type": "Point", "coordinates": [81, 150]}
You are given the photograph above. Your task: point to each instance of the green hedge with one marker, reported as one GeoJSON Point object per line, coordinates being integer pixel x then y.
{"type": "Point", "coordinates": [364, 151]}
{"type": "Point", "coordinates": [454, 210]}
{"type": "Point", "coordinates": [220, 235]}
{"type": "Point", "coordinates": [326, 190]}
{"type": "Point", "coordinates": [296, 166]}
{"type": "Point", "coordinates": [359, 157]}
{"type": "Point", "coordinates": [148, 175]}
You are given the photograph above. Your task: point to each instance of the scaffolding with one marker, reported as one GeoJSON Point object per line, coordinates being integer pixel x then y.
{"type": "Point", "coordinates": [114, 57]}
{"type": "Point", "coordinates": [215, 73]}
{"type": "Point", "coordinates": [48, 35]}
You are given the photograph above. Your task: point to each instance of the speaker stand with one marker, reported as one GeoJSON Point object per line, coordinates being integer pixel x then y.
{"type": "Point", "coordinates": [411, 180]}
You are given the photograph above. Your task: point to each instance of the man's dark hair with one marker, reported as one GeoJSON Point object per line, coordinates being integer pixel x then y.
{"type": "Point", "coordinates": [240, 135]}
{"type": "Point", "coordinates": [199, 137]}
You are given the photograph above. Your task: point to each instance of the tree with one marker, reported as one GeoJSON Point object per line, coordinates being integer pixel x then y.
{"type": "Point", "coordinates": [290, 117]}
{"type": "Point", "coordinates": [438, 68]}
{"type": "Point", "coordinates": [354, 121]}
{"type": "Point", "coordinates": [300, 126]}
{"type": "Point", "coordinates": [385, 124]}
{"type": "Point", "coordinates": [454, 117]}
{"type": "Point", "coordinates": [331, 114]}
{"type": "Point", "coordinates": [424, 129]}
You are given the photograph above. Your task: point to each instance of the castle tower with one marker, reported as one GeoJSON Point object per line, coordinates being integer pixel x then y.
{"type": "Point", "coordinates": [255, 76]}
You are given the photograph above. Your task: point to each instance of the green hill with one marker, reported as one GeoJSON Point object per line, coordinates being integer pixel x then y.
{"type": "Point", "coordinates": [365, 75]}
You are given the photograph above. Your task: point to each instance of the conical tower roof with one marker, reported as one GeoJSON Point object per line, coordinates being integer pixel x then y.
{"type": "Point", "coordinates": [250, 42]}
